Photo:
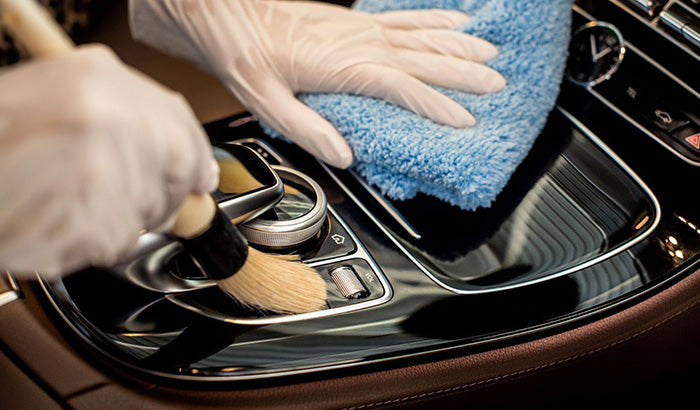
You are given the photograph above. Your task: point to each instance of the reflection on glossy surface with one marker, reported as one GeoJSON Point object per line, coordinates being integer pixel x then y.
{"type": "Point", "coordinates": [239, 172]}
{"type": "Point", "coordinates": [294, 205]}
{"type": "Point", "coordinates": [585, 208]}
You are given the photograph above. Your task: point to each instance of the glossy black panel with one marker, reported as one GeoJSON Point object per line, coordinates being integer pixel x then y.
{"type": "Point", "coordinates": [580, 207]}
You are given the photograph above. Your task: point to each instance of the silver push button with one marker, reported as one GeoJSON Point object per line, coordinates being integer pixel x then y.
{"type": "Point", "coordinates": [347, 282]}
{"type": "Point", "coordinates": [682, 22]}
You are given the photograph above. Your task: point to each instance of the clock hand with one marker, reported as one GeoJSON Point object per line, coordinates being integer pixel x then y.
{"type": "Point", "coordinates": [603, 53]}
{"type": "Point", "coordinates": [594, 50]}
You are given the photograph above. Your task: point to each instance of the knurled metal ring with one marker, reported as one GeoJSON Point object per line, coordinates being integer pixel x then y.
{"type": "Point", "coordinates": [292, 232]}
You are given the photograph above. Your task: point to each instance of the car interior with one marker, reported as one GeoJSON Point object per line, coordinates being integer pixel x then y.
{"type": "Point", "coordinates": [578, 287]}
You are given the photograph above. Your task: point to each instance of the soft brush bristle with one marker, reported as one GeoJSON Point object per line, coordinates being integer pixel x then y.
{"type": "Point", "coordinates": [276, 283]}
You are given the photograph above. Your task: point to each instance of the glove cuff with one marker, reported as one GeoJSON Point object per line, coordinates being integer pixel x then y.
{"type": "Point", "coordinates": [157, 24]}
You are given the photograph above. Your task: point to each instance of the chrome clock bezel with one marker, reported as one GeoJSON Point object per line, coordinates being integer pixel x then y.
{"type": "Point", "coordinates": [620, 54]}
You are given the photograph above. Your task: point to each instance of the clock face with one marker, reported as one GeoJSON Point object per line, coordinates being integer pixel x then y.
{"type": "Point", "coordinates": [595, 52]}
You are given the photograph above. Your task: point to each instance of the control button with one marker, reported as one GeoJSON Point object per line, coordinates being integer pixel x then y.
{"type": "Point", "coordinates": [337, 242]}
{"type": "Point", "coordinates": [689, 137]}
{"type": "Point", "coordinates": [663, 117]}
{"type": "Point", "coordinates": [362, 272]}
{"type": "Point", "coordinates": [347, 282]}
{"type": "Point", "coordinates": [694, 140]}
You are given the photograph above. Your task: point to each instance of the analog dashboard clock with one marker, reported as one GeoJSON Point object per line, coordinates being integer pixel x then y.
{"type": "Point", "coordinates": [595, 53]}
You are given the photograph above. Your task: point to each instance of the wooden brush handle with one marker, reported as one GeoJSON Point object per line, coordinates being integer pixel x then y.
{"type": "Point", "coordinates": [194, 216]}
{"type": "Point", "coordinates": [31, 25]}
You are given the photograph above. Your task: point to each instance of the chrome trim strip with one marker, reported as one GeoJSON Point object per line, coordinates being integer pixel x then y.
{"type": "Point", "coordinates": [661, 68]}
{"type": "Point", "coordinates": [249, 205]}
{"type": "Point", "coordinates": [583, 12]}
{"type": "Point", "coordinates": [388, 207]}
{"type": "Point", "coordinates": [687, 8]}
{"type": "Point", "coordinates": [565, 272]}
{"type": "Point", "coordinates": [144, 270]}
{"type": "Point", "coordinates": [360, 253]}
{"type": "Point", "coordinates": [13, 292]}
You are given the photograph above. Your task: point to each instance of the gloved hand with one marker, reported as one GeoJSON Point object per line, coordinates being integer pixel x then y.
{"type": "Point", "coordinates": [91, 152]}
{"type": "Point", "coordinates": [266, 51]}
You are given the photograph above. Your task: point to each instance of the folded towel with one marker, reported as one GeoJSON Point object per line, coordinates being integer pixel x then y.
{"type": "Point", "coordinates": [402, 153]}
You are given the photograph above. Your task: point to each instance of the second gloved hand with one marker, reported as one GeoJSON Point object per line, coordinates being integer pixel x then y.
{"type": "Point", "coordinates": [91, 153]}
{"type": "Point", "coordinates": [266, 51]}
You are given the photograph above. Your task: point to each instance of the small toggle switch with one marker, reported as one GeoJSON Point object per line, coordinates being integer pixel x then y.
{"type": "Point", "coordinates": [348, 283]}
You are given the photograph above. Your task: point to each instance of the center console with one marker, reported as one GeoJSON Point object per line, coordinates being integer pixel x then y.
{"type": "Point", "coordinates": [600, 215]}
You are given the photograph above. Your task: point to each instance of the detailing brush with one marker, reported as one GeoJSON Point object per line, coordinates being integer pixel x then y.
{"type": "Point", "coordinates": [274, 283]}
{"type": "Point", "coordinates": [278, 283]}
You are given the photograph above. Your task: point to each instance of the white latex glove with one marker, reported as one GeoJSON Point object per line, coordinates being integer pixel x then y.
{"type": "Point", "coordinates": [266, 51]}
{"type": "Point", "coordinates": [91, 152]}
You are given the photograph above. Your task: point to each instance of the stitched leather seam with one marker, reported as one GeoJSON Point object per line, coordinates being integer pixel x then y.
{"type": "Point", "coordinates": [522, 371]}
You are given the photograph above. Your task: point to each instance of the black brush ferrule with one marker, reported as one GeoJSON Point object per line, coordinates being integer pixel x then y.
{"type": "Point", "coordinates": [221, 250]}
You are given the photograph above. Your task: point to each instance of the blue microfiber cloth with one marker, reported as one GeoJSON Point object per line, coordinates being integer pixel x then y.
{"type": "Point", "coordinates": [402, 153]}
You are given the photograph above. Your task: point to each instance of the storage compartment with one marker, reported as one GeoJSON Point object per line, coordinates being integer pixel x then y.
{"type": "Point", "coordinates": [582, 206]}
